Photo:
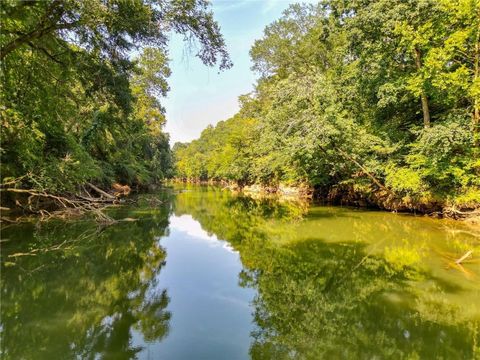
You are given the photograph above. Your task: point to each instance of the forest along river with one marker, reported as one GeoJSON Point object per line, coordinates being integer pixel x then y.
{"type": "Point", "coordinates": [207, 274]}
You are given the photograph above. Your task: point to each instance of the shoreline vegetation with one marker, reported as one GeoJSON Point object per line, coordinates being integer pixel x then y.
{"type": "Point", "coordinates": [92, 200]}
{"type": "Point", "coordinates": [342, 197]}
{"type": "Point", "coordinates": [372, 104]}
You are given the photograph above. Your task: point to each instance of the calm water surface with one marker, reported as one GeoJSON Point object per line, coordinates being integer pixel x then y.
{"type": "Point", "coordinates": [206, 274]}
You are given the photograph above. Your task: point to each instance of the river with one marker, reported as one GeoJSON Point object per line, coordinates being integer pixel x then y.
{"type": "Point", "coordinates": [201, 273]}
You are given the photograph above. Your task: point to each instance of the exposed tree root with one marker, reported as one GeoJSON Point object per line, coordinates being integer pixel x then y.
{"type": "Point", "coordinates": [454, 213]}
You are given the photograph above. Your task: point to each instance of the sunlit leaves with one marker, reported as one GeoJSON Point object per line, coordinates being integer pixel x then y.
{"type": "Point", "coordinates": [338, 98]}
{"type": "Point", "coordinates": [82, 80]}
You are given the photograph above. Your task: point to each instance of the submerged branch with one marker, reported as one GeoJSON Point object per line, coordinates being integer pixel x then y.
{"type": "Point", "coordinates": [63, 206]}
{"type": "Point", "coordinates": [466, 255]}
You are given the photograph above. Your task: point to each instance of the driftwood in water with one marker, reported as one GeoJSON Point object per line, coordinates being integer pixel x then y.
{"type": "Point", "coordinates": [466, 255]}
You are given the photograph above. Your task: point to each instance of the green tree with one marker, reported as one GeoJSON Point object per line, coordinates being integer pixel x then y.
{"type": "Point", "coordinates": [371, 101]}
{"type": "Point", "coordinates": [81, 82]}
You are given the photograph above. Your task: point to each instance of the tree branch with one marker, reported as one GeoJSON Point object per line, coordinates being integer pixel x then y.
{"type": "Point", "coordinates": [43, 50]}
{"type": "Point", "coordinates": [33, 35]}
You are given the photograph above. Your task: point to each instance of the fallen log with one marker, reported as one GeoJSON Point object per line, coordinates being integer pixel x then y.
{"type": "Point", "coordinates": [96, 200]}
{"type": "Point", "coordinates": [101, 192]}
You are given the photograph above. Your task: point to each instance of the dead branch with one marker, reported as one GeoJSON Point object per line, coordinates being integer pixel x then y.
{"type": "Point", "coordinates": [101, 192]}
{"type": "Point", "coordinates": [95, 200]}
{"type": "Point", "coordinates": [73, 205]}
{"type": "Point", "coordinates": [466, 255]}
{"type": "Point", "coordinates": [13, 181]}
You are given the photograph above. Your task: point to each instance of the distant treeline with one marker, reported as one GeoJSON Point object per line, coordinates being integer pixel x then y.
{"type": "Point", "coordinates": [373, 96]}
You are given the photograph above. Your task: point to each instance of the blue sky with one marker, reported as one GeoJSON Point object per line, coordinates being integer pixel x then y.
{"type": "Point", "coordinates": [199, 95]}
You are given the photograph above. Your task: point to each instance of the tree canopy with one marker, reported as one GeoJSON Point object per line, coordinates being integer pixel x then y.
{"type": "Point", "coordinates": [378, 98]}
{"type": "Point", "coordinates": [81, 83]}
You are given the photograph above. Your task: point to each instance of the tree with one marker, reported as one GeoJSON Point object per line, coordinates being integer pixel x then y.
{"type": "Point", "coordinates": [81, 85]}
{"type": "Point", "coordinates": [370, 101]}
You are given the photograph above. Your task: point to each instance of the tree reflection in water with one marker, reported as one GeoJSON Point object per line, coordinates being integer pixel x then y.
{"type": "Point", "coordinates": [88, 297]}
{"type": "Point", "coordinates": [344, 284]}
{"type": "Point", "coordinates": [329, 282]}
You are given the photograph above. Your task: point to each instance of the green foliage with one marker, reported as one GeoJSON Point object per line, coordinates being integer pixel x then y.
{"type": "Point", "coordinates": [469, 199]}
{"type": "Point", "coordinates": [358, 93]}
{"type": "Point", "coordinates": [403, 180]}
{"type": "Point", "coordinates": [443, 156]}
{"type": "Point", "coordinates": [223, 152]}
{"type": "Point", "coordinates": [76, 105]}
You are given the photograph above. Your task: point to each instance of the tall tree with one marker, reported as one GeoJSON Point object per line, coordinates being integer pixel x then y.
{"type": "Point", "coordinates": [78, 103]}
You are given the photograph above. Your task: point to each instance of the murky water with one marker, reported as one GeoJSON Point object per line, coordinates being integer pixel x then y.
{"type": "Point", "coordinates": [210, 275]}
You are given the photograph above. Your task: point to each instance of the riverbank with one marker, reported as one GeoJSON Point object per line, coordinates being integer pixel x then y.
{"type": "Point", "coordinates": [20, 202]}
{"type": "Point", "coordinates": [353, 195]}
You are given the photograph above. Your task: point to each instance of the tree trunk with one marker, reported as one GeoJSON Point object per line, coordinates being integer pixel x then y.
{"type": "Point", "coordinates": [476, 102]}
{"type": "Point", "coordinates": [101, 192]}
{"type": "Point", "coordinates": [423, 95]}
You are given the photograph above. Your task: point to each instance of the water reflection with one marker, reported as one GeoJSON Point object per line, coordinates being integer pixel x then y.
{"type": "Point", "coordinates": [211, 312]}
{"type": "Point", "coordinates": [191, 227]}
{"type": "Point", "coordinates": [207, 273]}
{"type": "Point", "coordinates": [338, 283]}
{"type": "Point", "coordinates": [85, 292]}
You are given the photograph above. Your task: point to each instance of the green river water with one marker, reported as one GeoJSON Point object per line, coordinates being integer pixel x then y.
{"type": "Point", "coordinates": [201, 273]}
